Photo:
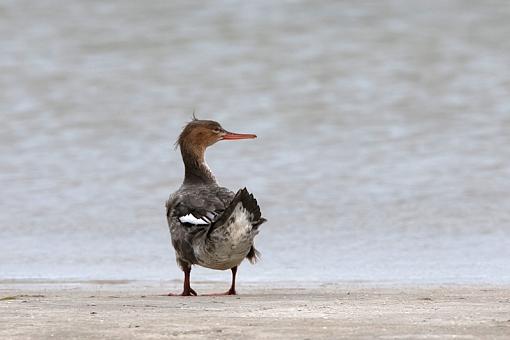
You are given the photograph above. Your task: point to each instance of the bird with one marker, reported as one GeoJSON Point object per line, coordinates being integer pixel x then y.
{"type": "Point", "coordinates": [210, 225]}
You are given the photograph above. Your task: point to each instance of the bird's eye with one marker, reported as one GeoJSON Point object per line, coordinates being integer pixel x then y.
{"type": "Point", "coordinates": [216, 130]}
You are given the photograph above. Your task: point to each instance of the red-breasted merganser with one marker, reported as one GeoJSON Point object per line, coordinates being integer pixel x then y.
{"type": "Point", "coordinates": [210, 225]}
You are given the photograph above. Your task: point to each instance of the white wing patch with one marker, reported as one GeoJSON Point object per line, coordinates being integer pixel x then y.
{"type": "Point", "coordinates": [189, 218]}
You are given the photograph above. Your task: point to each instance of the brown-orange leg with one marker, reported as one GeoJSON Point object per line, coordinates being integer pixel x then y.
{"type": "Point", "coordinates": [232, 290]}
{"type": "Point", "coordinates": [187, 290]}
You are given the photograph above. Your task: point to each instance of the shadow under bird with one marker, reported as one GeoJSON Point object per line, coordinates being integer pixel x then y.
{"type": "Point", "coordinates": [210, 225]}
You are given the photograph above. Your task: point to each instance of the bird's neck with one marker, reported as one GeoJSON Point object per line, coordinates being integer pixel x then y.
{"type": "Point", "coordinates": [196, 170]}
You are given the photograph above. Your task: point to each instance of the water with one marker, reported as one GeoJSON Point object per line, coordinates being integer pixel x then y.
{"type": "Point", "coordinates": [383, 135]}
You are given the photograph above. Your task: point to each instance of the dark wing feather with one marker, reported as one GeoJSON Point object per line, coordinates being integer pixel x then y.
{"type": "Point", "coordinates": [205, 204]}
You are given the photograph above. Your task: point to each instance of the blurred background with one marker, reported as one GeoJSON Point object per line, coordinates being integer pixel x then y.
{"type": "Point", "coordinates": [383, 150]}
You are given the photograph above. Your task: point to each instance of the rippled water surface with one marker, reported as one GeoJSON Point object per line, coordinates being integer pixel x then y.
{"type": "Point", "coordinates": [383, 150]}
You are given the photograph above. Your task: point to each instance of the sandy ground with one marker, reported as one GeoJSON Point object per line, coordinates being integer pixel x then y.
{"type": "Point", "coordinates": [123, 310]}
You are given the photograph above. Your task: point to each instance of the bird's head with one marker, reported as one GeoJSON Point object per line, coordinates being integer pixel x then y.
{"type": "Point", "coordinates": [201, 134]}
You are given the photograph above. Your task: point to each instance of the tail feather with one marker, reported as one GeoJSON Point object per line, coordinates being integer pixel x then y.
{"type": "Point", "coordinates": [253, 256]}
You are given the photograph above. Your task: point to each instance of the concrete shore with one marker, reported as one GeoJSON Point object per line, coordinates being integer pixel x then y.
{"type": "Point", "coordinates": [123, 310]}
